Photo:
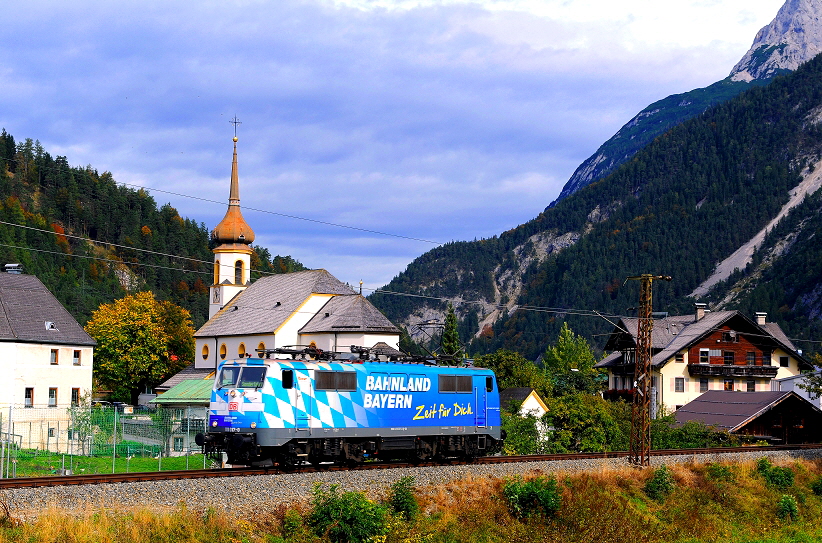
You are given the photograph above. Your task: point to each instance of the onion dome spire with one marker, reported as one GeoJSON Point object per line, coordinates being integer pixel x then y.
{"type": "Point", "coordinates": [233, 230]}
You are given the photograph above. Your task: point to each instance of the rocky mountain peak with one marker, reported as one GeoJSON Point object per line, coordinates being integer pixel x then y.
{"type": "Point", "coordinates": [793, 37]}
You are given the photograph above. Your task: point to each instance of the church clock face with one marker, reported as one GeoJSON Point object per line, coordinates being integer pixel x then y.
{"type": "Point", "coordinates": [216, 297]}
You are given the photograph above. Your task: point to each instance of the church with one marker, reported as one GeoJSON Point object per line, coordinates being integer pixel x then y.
{"type": "Point", "coordinates": [299, 309]}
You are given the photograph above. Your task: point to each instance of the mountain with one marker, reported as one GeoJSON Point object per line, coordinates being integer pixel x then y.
{"type": "Point", "coordinates": [793, 37]}
{"type": "Point", "coordinates": [48, 206]}
{"type": "Point", "coordinates": [730, 177]}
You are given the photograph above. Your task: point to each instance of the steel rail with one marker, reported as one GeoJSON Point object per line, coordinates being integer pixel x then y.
{"type": "Point", "coordinates": [109, 478]}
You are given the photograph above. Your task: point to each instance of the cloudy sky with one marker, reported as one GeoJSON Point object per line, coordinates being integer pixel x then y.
{"type": "Point", "coordinates": [430, 120]}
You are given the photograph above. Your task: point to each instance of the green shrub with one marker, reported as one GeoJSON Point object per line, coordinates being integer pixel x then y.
{"type": "Point", "coordinates": [401, 499]}
{"type": "Point", "coordinates": [816, 486]}
{"type": "Point", "coordinates": [660, 484]}
{"type": "Point", "coordinates": [719, 472]}
{"type": "Point", "coordinates": [776, 476]}
{"type": "Point", "coordinates": [293, 526]}
{"type": "Point", "coordinates": [537, 497]}
{"type": "Point", "coordinates": [786, 508]}
{"type": "Point", "coordinates": [763, 465]}
{"type": "Point", "coordinates": [347, 517]}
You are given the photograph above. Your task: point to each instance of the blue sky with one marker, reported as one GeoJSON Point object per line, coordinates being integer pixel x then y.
{"type": "Point", "coordinates": [436, 120]}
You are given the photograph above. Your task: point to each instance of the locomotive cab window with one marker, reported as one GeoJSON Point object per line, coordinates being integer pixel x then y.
{"type": "Point", "coordinates": [288, 378]}
{"type": "Point", "coordinates": [489, 384]}
{"type": "Point", "coordinates": [455, 383]}
{"type": "Point", "coordinates": [252, 377]}
{"type": "Point", "coordinates": [335, 380]}
{"type": "Point", "coordinates": [228, 376]}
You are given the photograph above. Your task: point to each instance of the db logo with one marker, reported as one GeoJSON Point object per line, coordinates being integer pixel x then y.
{"type": "Point", "coordinates": [232, 406]}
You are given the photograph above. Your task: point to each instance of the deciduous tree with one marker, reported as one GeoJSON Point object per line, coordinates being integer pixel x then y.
{"type": "Point", "coordinates": [570, 365]}
{"type": "Point", "coordinates": [140, 342]}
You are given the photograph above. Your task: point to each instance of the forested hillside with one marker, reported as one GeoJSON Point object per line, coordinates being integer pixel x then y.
{"type": "Point", "coordinates": [44, 202]}
{"type": "Point", "coordinates": [678, 207]}
{"type": "Point", "coordinates": [647, 125]}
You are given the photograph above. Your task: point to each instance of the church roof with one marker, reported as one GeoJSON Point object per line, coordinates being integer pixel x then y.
{"type": "Point", "coordinates": [233, 232]}
{"type": "Point", "coordinates": [269, 302]}
{"type": "Point", "coordinates": [349, 314]}
{"type": "Point", "coordinates": [30, 313]}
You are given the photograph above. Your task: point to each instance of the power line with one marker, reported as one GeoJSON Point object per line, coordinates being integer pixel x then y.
{"type": "Point", "coordinates": [268, 211]}
{"type": "Point", "coordinates": [89, 257]}
{"type": "Point", "coordinates": [127, 247]}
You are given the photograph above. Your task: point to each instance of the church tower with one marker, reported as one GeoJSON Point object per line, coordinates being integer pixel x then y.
{"type": "Point", "coordinates": [232, 255]}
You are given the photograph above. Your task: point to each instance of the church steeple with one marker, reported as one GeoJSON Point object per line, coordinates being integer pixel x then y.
{"type": "Point", "coordinates": [233, 230]}
{"type": "Point", "coordinates": [232, 255]}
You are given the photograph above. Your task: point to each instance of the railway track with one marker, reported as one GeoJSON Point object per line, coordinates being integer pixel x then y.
{"type": "Point", "coordinates": [65, 480]}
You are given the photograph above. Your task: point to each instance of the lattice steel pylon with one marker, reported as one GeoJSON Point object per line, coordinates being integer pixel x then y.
{"type": "Point", "coordinates": [640, 454]}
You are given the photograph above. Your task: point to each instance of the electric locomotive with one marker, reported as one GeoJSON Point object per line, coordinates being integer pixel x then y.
{"type": "Point", "coordinates": [291, 410]}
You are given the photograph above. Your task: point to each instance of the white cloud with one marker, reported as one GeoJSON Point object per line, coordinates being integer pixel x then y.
{"type": "Point", "coordinates": [439, 120]}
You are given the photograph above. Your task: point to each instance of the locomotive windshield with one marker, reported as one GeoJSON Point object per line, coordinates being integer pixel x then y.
{"type": "Point", "coordinates": [252, 377]}
{"type": "Point", "coordinates": [242, 377]}
{"type": "Point", "coordinates": [228, 377]}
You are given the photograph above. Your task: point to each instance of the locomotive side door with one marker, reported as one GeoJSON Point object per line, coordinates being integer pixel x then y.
{"type": "Point", "coordinates": [303, 400]}
{"type": "Point", "coordinates": [481, 404]}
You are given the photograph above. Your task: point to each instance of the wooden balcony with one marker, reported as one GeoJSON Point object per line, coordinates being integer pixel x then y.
{"type": "Point", "coordinates": [722, 370]}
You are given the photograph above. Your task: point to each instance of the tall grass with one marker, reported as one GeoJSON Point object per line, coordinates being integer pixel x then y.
{"type": "Point", "coordinates": [708, 503]}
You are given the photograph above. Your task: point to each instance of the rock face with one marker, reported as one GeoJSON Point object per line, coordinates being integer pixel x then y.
{"type": "Point", "coordinates": [793, 37]}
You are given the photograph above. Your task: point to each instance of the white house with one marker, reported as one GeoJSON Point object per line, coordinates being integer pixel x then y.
{"type": "Point", "coordinates": [45, 355]}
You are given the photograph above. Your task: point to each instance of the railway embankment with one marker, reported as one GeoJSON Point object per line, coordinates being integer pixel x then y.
{"type": "Point", "coordinates": [241, 494]}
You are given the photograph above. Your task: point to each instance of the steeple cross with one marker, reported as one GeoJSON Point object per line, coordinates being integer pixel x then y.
{"type": "Point", "coordinates": [235, 121]}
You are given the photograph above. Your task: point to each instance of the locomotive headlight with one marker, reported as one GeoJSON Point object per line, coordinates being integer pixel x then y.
{"type": "Point", "coordinates": [233, 393]}
{"type": "Point", "coordinates": [253, 424]}
{"type": "Point", "coordinates": [214, 423]}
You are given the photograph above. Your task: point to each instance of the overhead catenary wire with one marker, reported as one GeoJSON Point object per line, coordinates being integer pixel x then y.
{"type": "Point", "coordinates": [268, 211]}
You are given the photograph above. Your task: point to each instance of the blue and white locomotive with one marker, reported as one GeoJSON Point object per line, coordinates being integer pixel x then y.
{"type": "Point", "coordinates": [286, 411]}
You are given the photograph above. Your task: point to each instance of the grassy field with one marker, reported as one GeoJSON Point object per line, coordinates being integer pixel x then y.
{"type": "Point", "coordinates": [737, 503]}
{"type": "Point", "coordinates": [35, 464]}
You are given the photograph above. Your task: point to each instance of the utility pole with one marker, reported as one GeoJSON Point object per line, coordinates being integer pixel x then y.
{"type": "Point", "coordinates": [640, 454]}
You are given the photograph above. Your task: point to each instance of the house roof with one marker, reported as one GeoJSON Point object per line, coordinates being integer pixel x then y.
{"type": "Point", "coordinates": [675, 333]}
{"type": "Point", "coordinates": [731, 410]}
{"type": "Point", "coordinates": [519, 395]}
{"type": "Point", "coordinates": [187, 373]}
{"type": "Point", "coordinates": [192, 391]}
{"type": "Point", "coordinates": [268, 302]}
{"type": "Point", "coordinates": [349, 314]}
{"type": "Point", "coordinates": [29, 313]}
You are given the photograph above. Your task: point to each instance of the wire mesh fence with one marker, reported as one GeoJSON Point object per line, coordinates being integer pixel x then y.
{"type": "Point", "coordinates": [98, 439]}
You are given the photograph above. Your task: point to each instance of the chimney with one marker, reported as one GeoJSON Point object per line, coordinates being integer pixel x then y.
{"type": "Point", "coordinates": [700, 311]}
{"type": "Point", "coordinates": [761, 317]}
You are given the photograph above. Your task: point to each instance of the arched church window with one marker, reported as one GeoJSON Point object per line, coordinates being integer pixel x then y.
{"type": "Point", "coordinates": [216, 272]}
{"type": "Point", "coordinates": [223, 351]}
{"type": "Point", "coordinates": [238, 272]}
{"type": "Point", "coordinates": [205, 352]}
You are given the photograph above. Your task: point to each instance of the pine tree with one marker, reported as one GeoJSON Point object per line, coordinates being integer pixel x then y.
{"type": "Point", "coordinates": [450, 337]}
